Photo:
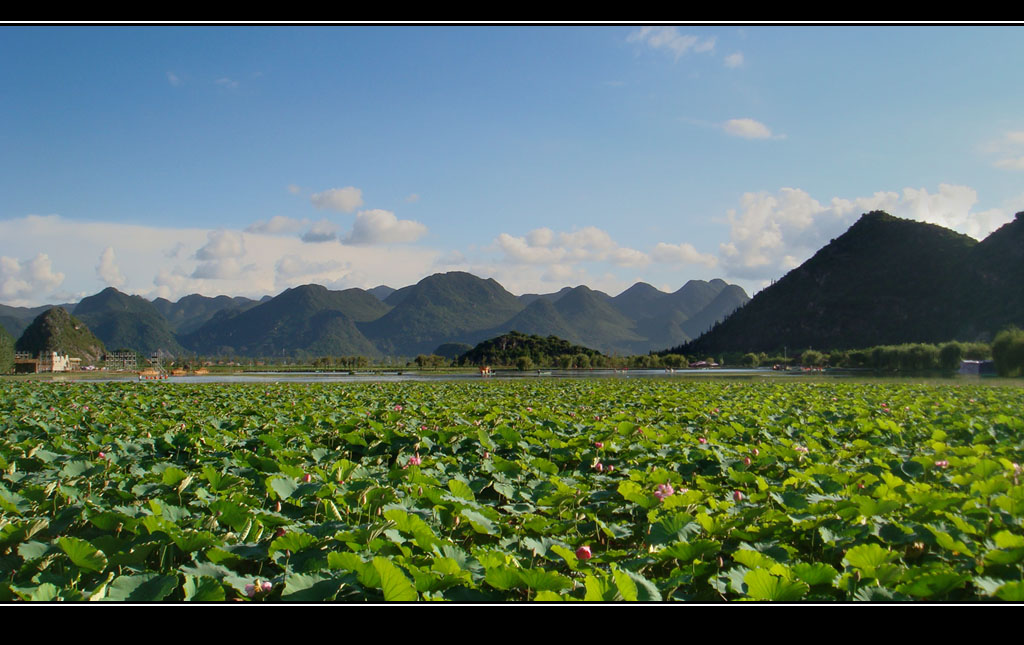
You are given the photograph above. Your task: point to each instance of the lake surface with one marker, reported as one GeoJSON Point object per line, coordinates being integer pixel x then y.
{"type": "Point", "coordinates": [501, 375]}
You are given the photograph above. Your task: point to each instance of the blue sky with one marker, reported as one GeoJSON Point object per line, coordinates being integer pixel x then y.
{"type": "Point", "coordinates": [245, 160]}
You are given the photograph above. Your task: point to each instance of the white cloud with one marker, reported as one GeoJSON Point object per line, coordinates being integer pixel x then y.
{"type": "Point", "coordinates": [589, 244]}
{"type": "Point", "coordinates": [772, 233]}
{"type": "Point", "coordinates": [344, 200]}
{"type": "Point", "coordinates": [175, 251]}
{"type": "Point", "coordinates": [223, 269]}
{"type": "Point", "coordinates": [238, 268]}
{"type": "Point", "coordinates": [1010, 163]}
{"type": "Point", "coordinates": [379, 226]}
{"type": "Point", "coordinates": [277, 225]}
{"type": "Point", "coordinates": [20, 281]}
{"type": "Point", "coordinates": [747, 129]}
{"type": "Point", "coordinates": [669, 39]}
{"type": "Point", "coordinates": [294, 266]}
{"type": "Point", "coordinates": [684, 253]}
{"type": "Point", "coordinates": [222, 244]}
{"type": "Point", "coordinates": [174, 79]}
{"type": "Point", "coordinates": [107, 269]}
{"type": "Point", "coordinates": [227, 83]}
{"type": "Point", "coordinates": [413, 198]}
{"type": "Point", "coordinates": [734, 60]}
{"type": "Point", "coordinates": [322, 231]}
{"type": "Point", "coordinates": [1015, 137]}
{"type": "Point", "coordinates": [294, 189]}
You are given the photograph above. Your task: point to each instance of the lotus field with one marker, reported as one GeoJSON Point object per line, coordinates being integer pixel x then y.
{"type": "Point", "coordinates": [629, 489]}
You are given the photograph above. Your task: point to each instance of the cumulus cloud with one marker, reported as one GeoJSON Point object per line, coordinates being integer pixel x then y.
{"type": "Point", "coordinates": [222, 244]}
{"type": "Point", "coordinates": [734, 60]}
{"type": "Point", "coordinates": [669, 39]}
{"type": "Point", "coordinates": [239, 264]}
{"type": "Point", "coordinates": [771, 233]}
{"type": "Point", "coordinates": [1010, 163]}
{"type": "Point", "coordinates": [684, 253]}
{"type": "Point", "coordinates": [589, 244]}
{"type": "Point", "coordinates": [344, 200]}
{"type": "Point", "coordinates": [175, 251]}
{"type": "Point", "coordinates": [108, 270]}
{"type": "Point", "coordinates": [294, 266]}
{"type": "Point", "coordinates": [322, 231]}
{"type": "Point", "coordinates": [24, 279]}
{"type": "Point", "coordinates": [220, 256]}
{"type": "Point", "coordinates": [277, 225]}
{"type": "Point", "coordinates": [748, 129]}
{"type": "Point", "coordinates": [379, 226]}
{"type": "Point", "coordinates": [224, 269]}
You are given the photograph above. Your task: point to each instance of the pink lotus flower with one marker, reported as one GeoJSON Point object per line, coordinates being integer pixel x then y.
{"type": "Point", "coordinates": [250, 590]}
{"type": "Point", "coordinates": [598, 445]}
{"type": "Point", "coordinates": [702, 440]}
{"type": "Point", "coordinates": [266, 586]}
{"type": "Point", "coordinates": [611, 468]}
{"type": "Point", "coordinates": [415, 460]}
{"type": "Point", "coordinates": [102, 455]}
{"type": "Point", "coordinates": [307, 478]}
{"type": "Point", "coordinates": [599, 466]}
{"type": "Point", "coordinates": [583, 553]}
{"type": "Point", "coordinates": [801, 449]}
{"type": "Point", "coordinates": [663, 491]}
{"type": "Point", "coordinates": [942, 463]}
{"type": "Point", "coordinates": [737, 496]}
{"type": "Point", "coordinates": [398, 408]}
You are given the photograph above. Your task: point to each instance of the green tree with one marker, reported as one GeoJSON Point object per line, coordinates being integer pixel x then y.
{"type": "Point", "coordinates": [1008, 352]}
{"type": "Point", "coordinates": [524, 363]}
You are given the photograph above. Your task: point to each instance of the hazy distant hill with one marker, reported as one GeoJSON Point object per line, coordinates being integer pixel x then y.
{"type": "Point", "coordinates": [309, 319]}
{"type": "Point", "coordinates": [884, 281]}
{"type": "Point", "coordinates": [445, 307]}
{"type": "Point", "coordinates": [192, 312]}
{"type": "Point", "coordinates": [58, 331]}
{"type": "Point", "coordinates": [381, 292]}
{"type": "Point", "coordinates": [440, 309]}
{"type": "Point", "coordinates": [16, 319]}
{"type": "Point", "coordinates": [127, 322]}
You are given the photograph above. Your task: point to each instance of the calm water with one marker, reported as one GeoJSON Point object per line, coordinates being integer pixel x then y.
{"type": "Point", "coordinates": [386, 377]}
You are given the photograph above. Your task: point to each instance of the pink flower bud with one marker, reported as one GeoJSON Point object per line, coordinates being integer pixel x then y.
{"type": "Point", "coordinates": [598, 445]}
{"type": "Point", "coordinates": [266, 586]}
{"type": "Point", "coordinates": [307, 478]}
{"type": "Point", "coordinates": [737, 496]}
{"type": "Point", "coordinates": [599, 466]}
{"type": "Point", "coordinates": [755, 452]}
{"type": "Point", "coordinates": [250, 590]}
{"type": "Point", "coordinates": [702, 440]}
{"type": "Point", "coordinates": [101, 455]}
{"type": "Point", "coordinates": [746, 461]}
{"type": "Point", "coordinates": [583, 553]}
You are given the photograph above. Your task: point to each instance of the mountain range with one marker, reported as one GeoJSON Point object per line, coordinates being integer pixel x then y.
{"type": "Point", "coordinates": [885, 281]}
{"type": "Point", "coordinates": [456, 307]}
